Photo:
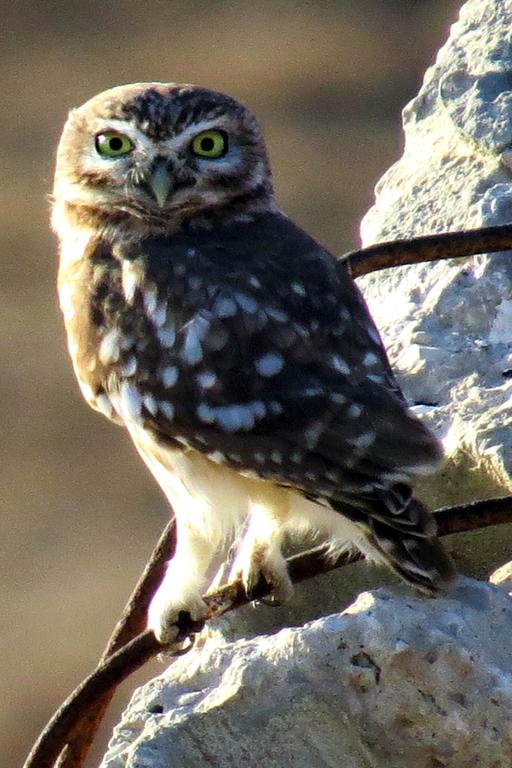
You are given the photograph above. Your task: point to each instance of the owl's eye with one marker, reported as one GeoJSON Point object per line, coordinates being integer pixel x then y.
{"type": "Point", "coordinates": [212, 144]}
{"type": "Point", "coordinates": [112, 144]}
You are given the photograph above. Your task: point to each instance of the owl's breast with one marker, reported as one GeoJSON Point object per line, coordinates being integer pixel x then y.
{"type": "Point", "coordinates": [103, 327]}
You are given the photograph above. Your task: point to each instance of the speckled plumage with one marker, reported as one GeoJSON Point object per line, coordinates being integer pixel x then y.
{"type": "Point", "coordinates": [237, 352]}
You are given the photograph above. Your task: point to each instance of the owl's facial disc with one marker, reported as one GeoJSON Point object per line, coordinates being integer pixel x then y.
{"type": "Point", "coordinates": [163, 154]}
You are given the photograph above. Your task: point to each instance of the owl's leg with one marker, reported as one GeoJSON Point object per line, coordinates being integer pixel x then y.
{"type": "Point", "coordinates": [260, 549]}
{"type": "Point", "coordinates": [184, 583]}
{"type": "Point", "coordinates": [210, 502]}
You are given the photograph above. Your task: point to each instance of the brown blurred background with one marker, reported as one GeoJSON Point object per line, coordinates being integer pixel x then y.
{"type": "Point", "coordinates": [80, 513]}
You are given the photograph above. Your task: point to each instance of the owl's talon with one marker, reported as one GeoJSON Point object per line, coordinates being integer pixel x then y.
{"type": "Point", "coordinates": [271, 567]}
{"type": "Point", "coordinates": [270, 602]}
{"type": "Point", "coordinates": [168, 613]}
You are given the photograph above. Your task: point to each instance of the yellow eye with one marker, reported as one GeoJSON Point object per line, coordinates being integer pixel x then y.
{"type": "Point", "coordinates": [112, 144]}
{"type": "Point", "coordinates": [212, 144]}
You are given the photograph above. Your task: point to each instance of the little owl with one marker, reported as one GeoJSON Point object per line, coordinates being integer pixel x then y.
{"type": "Point", "coordinates": [237, 352]}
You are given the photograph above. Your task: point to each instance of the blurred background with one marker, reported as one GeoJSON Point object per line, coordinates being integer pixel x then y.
{"type": "Point", "coordinates": [80, 513]}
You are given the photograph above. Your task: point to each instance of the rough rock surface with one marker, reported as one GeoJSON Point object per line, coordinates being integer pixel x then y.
{"type": "Point", "coordinates": [393, 681]}
{"type": "Point", "coordinates": [448, 326]}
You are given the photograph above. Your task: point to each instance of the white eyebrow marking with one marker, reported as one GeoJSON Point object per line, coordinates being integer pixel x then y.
{"type": "Point", "coordinates": [192, 130]}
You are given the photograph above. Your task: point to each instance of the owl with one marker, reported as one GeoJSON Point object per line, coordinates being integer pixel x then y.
{"type": "Point", "coordinates": [236, 351]}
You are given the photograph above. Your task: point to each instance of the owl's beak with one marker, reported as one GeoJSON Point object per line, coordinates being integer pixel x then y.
{"type": "Point", "coordinates": [160, 182]}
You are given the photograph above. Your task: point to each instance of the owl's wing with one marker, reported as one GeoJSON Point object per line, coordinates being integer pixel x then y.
{"type": "Point", "coordinates": [260, 351]}
{"type": "Point", "coordinates": [252, 345]}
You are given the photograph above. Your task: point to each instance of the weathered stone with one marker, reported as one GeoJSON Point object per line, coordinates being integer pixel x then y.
{"type": "Point", "coordinates": [393, 681]}
{"type": "Point", "coordinates": [448, 326]}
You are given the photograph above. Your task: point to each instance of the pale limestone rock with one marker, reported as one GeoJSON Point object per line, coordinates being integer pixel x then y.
{"type": "Point", "coordinates": [448, 326]}
{"type": "Point", "coordinates": [395, 681]}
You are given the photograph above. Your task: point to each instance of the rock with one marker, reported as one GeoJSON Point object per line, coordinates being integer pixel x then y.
{"type": "Point", "coordinates": [448, 326]}
{"type": "Point", "coordinates": [393, 681]}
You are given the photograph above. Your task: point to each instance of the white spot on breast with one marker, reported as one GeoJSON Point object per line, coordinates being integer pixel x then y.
{"type": "Point", "coordinates": [312, 434]}
{"type": "Point", "coordinates": [246, 303]}
{"type": "Point", "coordinates": [217, 456]}
{"type": "Point", "coordinates": [191, 253]}
{"type": "Point", "coordinates": [225, 307]}
{"type": "Point", "coordinates": [167, 409]}
{"type": "Point", "coordinates": [259, 457]}
{"type": "Point", "coordinates": [233, 418]}
{"type": "Point", "coordinates": [276, 457]}
{"type": "Point", "coordinates": [167, 336]}
{"type": "Point", "coordinates": [375, 378]}
{"type": "Point", "coordinates": [159, 315]}
{"type": "Point", "coordinates": [130, 279]}
{"type": "Point", "coordinates": [339, 364]}
{"type": "Point", "coordinates": [253, 280]}
{"type": "Point", "coordinates": [150, 300]}
{"type": "Point", "coordinates": [337, 397]}
{"type": "Point", "coordinates": [313, 391]}
{"type": "Point", "coordinates": [297, 456]}
{"type": "Point", "coordinates": [374, 335]}
{"type": "Point", "coordinates": [275, 407]}
{"type": "Point", "coordinates": [370, 359]}
{"type": "Point", "coordinates": [150, 404]}
{"type": "Point", "coordinates": [277, 314]}
{"type": "Point", "coordinates": [129, 402]}
{"type": "Point", "coordinates": [179, 269]}
{"type": "Point", "coordinates": [169, 376]}
{"type": "Point", "coordinates": [354, 411]}
{"type": "Point", "coordinates": [258, 408]}
{"type": "Point", "coordinates": [110, 347]}
{"type": "Point", "coordinates": [270, 364]}
{"type": "Point", "coordinates": [102, 403]}
{"type": "Point", "coordinates": [363, 441]}
{"type": "Point", "coordinates": [205, 413]}
{"type": "Point", "coordinates": [298, 288]}
{"type": "Point", "coordinates": [195, 332]}
{"type": "Point", "coordinates": [206, 379]}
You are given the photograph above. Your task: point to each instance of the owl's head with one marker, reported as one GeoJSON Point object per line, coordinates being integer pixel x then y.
{"type": "Point", "coordinates": [154, 154]}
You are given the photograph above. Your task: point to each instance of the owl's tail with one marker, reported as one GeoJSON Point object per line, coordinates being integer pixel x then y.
{"type": "Point", "coordinates": [406, 541]}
